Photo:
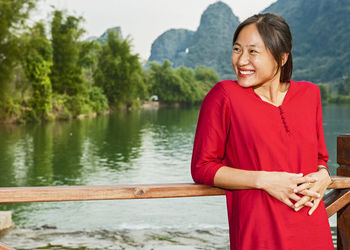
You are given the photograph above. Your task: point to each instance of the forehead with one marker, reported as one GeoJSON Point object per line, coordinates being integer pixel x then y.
{"type": "Point", "coordinates": [249, 36]}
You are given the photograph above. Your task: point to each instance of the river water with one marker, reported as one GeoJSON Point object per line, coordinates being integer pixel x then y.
{"type": "Point", "coordinates": [138, 147]}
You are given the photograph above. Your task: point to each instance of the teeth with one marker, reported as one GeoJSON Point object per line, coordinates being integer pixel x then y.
{"type": "Point", "coordinates": [246, 72]}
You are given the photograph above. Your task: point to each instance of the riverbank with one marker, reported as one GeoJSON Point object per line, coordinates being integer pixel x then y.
{"type": "Point", "coordinates": [62, 115]}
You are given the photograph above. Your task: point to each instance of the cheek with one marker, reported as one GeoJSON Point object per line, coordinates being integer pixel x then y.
{"type": "Point", "coordinates": [234, 60]}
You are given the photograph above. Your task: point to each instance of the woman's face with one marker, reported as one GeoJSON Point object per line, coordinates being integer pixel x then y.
{"type": "Point", "coordinates": [252, 62]}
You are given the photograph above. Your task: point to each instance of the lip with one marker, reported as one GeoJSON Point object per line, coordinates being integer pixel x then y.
{"type": "Point", "coordinates": [245, 75]}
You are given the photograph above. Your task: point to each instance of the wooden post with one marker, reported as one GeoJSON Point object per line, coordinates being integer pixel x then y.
{"type": "Point", "coordinates": [343, 215]}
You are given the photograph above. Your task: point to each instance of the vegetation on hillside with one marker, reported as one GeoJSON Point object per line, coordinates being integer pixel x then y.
{"type": "Point", "coordinates": [210, 45]}
{"type": "Point", "coordinates": [320, 29]}
{"type": "Point", "coordinates": [60, 76]}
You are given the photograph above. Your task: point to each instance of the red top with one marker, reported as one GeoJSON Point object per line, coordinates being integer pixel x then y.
{"type": "Point", "coordinates": [236, 128]}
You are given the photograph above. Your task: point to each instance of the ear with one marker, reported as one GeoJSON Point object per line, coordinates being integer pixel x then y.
{"type": "Point", "coordinates": [284, 58]}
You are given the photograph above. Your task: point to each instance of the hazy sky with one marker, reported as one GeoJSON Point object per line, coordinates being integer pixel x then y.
{"type": "Point", "coordinates": [143, 20]}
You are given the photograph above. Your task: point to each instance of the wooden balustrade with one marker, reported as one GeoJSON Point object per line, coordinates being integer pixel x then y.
{"type": "Point", "coordinates": [117, 192]}
{"type": "Point", "coordinates": [343, 215]}
{"type": "Point", "coordinates": [336, 201]}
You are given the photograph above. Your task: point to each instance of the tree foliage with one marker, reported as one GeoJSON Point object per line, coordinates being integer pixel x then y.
{"type": "Point", "coordinates": [119, 72]}
{"type": "Point", "coordinates": [37, 62]}
{"type": "Point", "coordinates": [66, 72]}
{"type": "Point", "coordinates": [181, 85]}
{"type": "Point", "coordinates": [13, 14]}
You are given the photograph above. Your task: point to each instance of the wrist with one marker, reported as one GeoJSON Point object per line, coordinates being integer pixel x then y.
{"type": "Point", "coordinates": [324, 175]}
{"type": "Point", "coordinates": [321, 167]}
{"type": "Point", "coordinates": [260, 180]}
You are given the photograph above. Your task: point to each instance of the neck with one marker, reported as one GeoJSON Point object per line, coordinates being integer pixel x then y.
{"type": "Point", "coordinates": [272, 92]}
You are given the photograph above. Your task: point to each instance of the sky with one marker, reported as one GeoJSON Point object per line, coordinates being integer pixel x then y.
{"type": "Point", "coordinates": [142, 20]}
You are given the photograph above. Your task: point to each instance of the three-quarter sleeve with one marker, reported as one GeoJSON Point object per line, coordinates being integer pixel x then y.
{"type": "Point", "coordinates": [211, 136]}
{"type": "Point", "coordinates": [322, 150]}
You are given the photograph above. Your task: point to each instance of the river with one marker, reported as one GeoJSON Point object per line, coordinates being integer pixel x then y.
{"type": "Point", "coordinates": [137, 147]}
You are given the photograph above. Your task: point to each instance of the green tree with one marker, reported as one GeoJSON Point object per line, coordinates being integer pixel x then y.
{"type": "Point", "coordinates": [181, 85]}
{"type": "Point", "coordinates": [66, 71]}
{"type": "Point", "coordinates": [13, 15]}
{"type": "Point", "coordinates": [37, 62]}
{"type": "Point", "coordinates": [343, 87]}
{"type": "Point", "coordinates": [119, 72]}
{"type": "Point", "coordinates": [166, 84]}
{"type": "Point", "coordinates": [193, 93]}
{"type": "Point", "coordinates": [207, 77]}
{"type": "Point", "coordinates": [324, 88]}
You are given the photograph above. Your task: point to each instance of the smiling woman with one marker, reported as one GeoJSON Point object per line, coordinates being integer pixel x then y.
{"type": "Point", "coordinates": [261, 138]}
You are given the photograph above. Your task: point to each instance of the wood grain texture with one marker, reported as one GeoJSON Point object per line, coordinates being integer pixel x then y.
{"type": "Point", "coordinates": [336, 200]}
{"type": "Point", "coordinates": [343, 215]}
{"type": "Point", "coordinates": [5, 247]}
{"type": "Point", "coordinates": [81, 193]}
{"type": "Point", "coordinates": [147, 191]}
{"type": "Point", "coordinates": [343, 149]}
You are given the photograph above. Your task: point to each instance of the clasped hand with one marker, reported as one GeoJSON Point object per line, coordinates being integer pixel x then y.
{"type": "Point", "coordinates": [305, 190]}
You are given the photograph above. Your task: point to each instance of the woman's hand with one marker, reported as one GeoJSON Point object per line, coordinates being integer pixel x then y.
{"type": "Point", "coordinates": [282, 186]}
{"type": "Point", "coordinates": [320, 186]}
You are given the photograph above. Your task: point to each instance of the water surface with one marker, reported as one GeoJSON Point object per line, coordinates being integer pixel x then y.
{"type": "Point", "coordinates": [144, 146]}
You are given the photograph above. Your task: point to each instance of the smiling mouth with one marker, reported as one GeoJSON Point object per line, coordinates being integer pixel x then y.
{"type": "Point", "coordinates": [245, 73]}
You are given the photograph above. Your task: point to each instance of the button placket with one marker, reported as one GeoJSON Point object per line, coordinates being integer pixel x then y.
{"type": "Point", "coordinates": [282, 114]}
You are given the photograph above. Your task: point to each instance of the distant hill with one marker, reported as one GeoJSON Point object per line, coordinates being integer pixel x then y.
{"type": "Point", "coordinates": [116, 29]}
{"type": "Point", "coordinates": [172, 45]}
{"type": "Point", "coordinates": [321, 33]}
{"type": "Point", "coordinates": [103, 37]}
{"type": "Point", "coordinates": [210, 45]}
{"type": "Point", "coordinates": [320, 28]}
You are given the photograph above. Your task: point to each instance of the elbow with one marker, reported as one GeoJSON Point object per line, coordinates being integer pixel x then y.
{"type": "Point", "coordinates": [204, 173]}
{"type": "Point", "coordinates": [196, 175]}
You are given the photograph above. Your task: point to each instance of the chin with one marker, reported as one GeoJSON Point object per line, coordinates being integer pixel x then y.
{"type": "Point", "coordinates": [245, 84]}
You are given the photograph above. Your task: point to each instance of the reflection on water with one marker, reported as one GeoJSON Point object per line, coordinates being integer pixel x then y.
{"type": "Point", "coordinates": [146, 146]}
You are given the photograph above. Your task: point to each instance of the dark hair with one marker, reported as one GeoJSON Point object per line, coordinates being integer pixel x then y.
{"type": "Point", "coordinates": [277, 38]}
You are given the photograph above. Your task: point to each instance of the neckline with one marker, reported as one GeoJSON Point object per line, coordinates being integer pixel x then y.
{"type": "Point", "coordinates": [270, 104]}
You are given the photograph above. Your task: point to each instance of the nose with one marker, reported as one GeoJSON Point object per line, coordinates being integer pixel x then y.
{"type": "Point", "coordinates": [243, 59]}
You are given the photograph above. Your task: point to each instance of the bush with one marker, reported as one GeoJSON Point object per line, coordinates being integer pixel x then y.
{"type": "Point", "coordinates": [98, 100]}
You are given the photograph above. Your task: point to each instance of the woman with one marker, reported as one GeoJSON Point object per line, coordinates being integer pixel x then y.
{"type": "Point", "coordinates": [261, 138]}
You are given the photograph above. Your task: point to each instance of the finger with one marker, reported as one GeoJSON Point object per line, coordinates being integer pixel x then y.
{"type": "Point", "coordinates": [302, 201]}
{"type": "Point", "coordinates": [310, 193]}
{"type": "Point", "coordinates": [316, 202]}
{"type": "Point", "coordinates": [307, 204]}
{"type": "Point", "coordinates": [305, 179]}
{"type": "Point", "coordinates": [302, 187]}
{"type": "Point", "coordinates": [294, 197]}
{"type": "Point", "coordinates": [288, 203]}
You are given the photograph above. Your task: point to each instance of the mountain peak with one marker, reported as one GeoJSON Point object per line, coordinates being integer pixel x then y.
{"type": "Point", "coordinates": [210, 45]}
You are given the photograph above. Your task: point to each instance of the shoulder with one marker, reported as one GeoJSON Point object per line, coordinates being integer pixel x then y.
{"type": "Point", "coordinates": [307, 89]}
{"type": "Point", "coordinates": [226, 87]}
{"type": "Point", "coordinates": [306, 86]}
{"type": "Point", "coordinates": [220, 93]}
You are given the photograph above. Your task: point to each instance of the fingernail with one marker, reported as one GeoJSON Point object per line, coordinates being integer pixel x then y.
{"type": "Point", "coordinates": [296, 205]}
{"type": "Point", "coordinates": [310, 212]}
{"type": "Point", "coordinates": [295, 190]}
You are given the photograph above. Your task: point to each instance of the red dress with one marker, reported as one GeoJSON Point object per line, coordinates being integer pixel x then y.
{"type": "Point", "coordinates": [236, 128]}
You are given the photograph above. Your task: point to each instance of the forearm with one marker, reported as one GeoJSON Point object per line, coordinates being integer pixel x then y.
{"type": "Point", "coordinates": [233, 178]}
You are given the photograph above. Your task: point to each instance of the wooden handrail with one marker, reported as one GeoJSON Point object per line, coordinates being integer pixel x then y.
{"type": "Point", "coordinates": [5, 247]}
{"type": "Point", "coordinates": [147, 191]}
{"type": "Point", "coordinates": [336, 200]}
{"type": "Point", "coordinates": [81, 193]}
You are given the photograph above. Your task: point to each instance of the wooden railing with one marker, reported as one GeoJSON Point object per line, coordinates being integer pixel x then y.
{"type": "Point", "coordinates": [336, 201]}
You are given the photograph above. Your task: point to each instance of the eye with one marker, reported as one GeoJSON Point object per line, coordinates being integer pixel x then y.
{"type": "Point", "coordinates": [236, 49]}
{"type": "Point", "coordinates": [253, 51]}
